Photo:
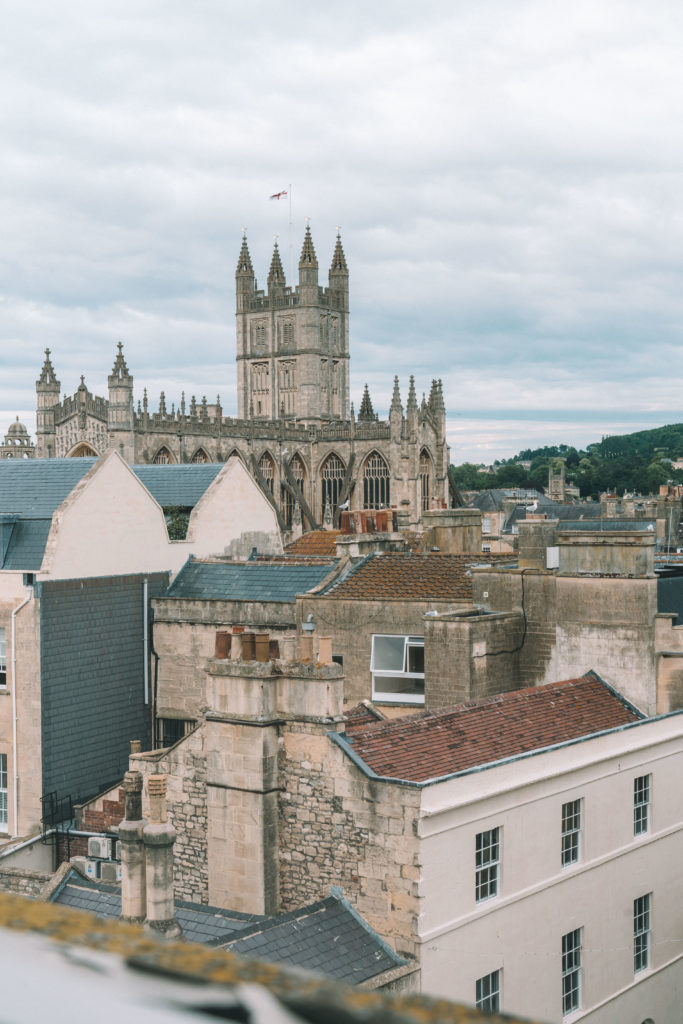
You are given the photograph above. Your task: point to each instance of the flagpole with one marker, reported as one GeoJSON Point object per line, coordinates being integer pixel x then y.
{"type": "Point", "coordinates": [291, 242]}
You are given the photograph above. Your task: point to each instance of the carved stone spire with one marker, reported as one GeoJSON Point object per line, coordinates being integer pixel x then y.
{"type": "Point", "coordinates": [120, 370]}
{"type": "Point", "coordinates": [162, 404]}
{"type": "Point", "coordinates": [276, 274]}
{"type": "Point", "coordinates": [396, 405]}
{"type": "Point", "coordinates": [412, 397]}
{"type": "Point", "coordinates": [338, 259]}
{"type": "Point", "coordinates": [308, 257]}
{"type": "Point", "coordinates": [244, 265]}
{"type": "Point", "coordinates": [366, 413]}
{"type": "Point", "coordinates": [47, 374]}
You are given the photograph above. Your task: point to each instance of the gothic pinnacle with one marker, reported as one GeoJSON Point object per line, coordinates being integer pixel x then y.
{"type": "Point", "coordinates": [244, 265]}
{"type": "Point", "coordinates": [396, 405]}
{"type": "Point", "coordinates": [412, 397]}
{"type": "Point", "coordinates": [366, 412]}
{"type": "Point", "coordinates": [338, 258]}
{"type": "Point", "coordinates": [276, 274]}
{"type": "Point", "coordinates": [308, 256]}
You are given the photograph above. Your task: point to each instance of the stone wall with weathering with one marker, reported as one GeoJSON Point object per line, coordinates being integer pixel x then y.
{"type": "Point", "coordinates": [184, 764]}
{"type": "Point", "coordinates": [339, 827]}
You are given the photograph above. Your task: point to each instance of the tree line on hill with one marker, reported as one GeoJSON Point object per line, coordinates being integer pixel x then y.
{"type": "Point", "coordinates": [637, 463]}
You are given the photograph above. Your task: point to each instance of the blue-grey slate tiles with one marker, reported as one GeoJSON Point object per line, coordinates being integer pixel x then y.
{"type": "Point", "coordinates": [92, 680]}
{"type": "Point", "coordinates": [246, 581]}
{"type": "Point", "coordinates": [328, 937]}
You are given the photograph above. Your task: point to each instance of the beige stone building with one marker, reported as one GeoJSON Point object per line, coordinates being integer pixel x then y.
{"type": "Point", "coordinates": [295, 430]}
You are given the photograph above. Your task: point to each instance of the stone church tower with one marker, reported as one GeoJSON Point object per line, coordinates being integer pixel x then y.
{"type": "Point", "coordinates": [293, 343]}
{"type": "Point", "coordinates": [295, 431]}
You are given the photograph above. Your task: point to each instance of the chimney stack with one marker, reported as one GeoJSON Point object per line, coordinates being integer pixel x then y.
{"type": "Point", "coordinates": [159, 837]}
{"type": "Point", "coordinates": [133, 883]}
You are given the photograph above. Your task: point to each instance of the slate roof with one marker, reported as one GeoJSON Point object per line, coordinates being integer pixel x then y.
{"type": "Point", "coordinates": [36, 487]}
{"type": "Point", "coordinates": [328, 936]}
{"type": "Point", "coordinates": [178, 483]}
{"type": "Point", "coordinates": [393, 574]}
{"type": "Point", "coordinates": [200, 923]}
{"type": "Point", "coordinates": [431, 744]}
{"type": "Point", "coordinates": [586, 511]}
{"type": "Point", "coordinates": [210, 580]}
{"type": "Point", "coordinates": [33, 489]}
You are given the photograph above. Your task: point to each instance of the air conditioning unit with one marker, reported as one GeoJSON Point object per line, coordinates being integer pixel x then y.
{"type": "Point", "coordinates": [91, 868]}
{"type": "Point", "coordinates": [98, 846]}
{"type": "Point", "coordinates": [110, 871]}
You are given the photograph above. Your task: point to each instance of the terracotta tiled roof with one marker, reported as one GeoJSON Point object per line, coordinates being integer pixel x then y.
{"type": "Point", "coordinates": [315, 542]}
{"type": "Point", "coordinates": [397, 575]}
{"type": "Point", "coordinates": [434, 743]}
{"type": "Point", "coordinates": [362, 714]}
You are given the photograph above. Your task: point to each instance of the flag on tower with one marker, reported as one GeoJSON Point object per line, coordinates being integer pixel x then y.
{"type": "Point", "coordinates": [279, 195]}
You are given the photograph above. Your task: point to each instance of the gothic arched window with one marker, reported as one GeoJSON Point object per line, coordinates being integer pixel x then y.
{"type": "Point", "coordinates": [426, 487]}
{"type": "Point", "coordinates": [375, 482]}
{"type": "Point", "coordinates": [332, 478]}
{"type": "Point", "coordinates": [163, 456]}
{"type": "Point", "coordinates": [267, 468]}
{"type": "Point", "coordinates": [200, 456]}
{"type": "Point", "coordinates": [299, 473]}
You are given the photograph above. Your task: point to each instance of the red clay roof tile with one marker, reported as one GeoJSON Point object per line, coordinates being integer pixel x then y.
{"type": "Point", "coordinates": [394, 574]}
{"type": "Point", "coordinates": [435, 743]}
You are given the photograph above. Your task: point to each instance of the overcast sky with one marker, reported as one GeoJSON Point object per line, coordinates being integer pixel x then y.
{"type": "Point", "coordinates": [508, 178]}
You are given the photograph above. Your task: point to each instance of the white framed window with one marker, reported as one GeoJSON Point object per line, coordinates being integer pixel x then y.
{"type": "Point", "coordinates": [397, 664]}
{"type": "Point", "coordinates": [486, 548]}
{"type": "Point", "coordinates": [4, 818]}
{"type": "Point", "coordinates": [485, 524]}
{"type": "Point", "coordinates": [641, 804]}
{"type": "Point", "coordinates": [487, 864]}
{"type": "Point", "coordinates": [571, 971]}
{"type": "Point", "coordinates": [571, 832]}
{"type": "Point", "coordinates": [641, 933]}
{"type": "Point", "coordinates": [3, 656]}
{"type": "Point", "coordinates": [488, 993]}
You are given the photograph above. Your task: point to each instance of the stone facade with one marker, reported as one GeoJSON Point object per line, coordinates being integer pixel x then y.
{"type": "Point", "coordinates": [185, 767]}
{"type": "Point", "coordinates": [295, 431]}
{"type": "Point", "coordinates": [270, 813]}
{"type": "Point", "coordinates": [337, 827]}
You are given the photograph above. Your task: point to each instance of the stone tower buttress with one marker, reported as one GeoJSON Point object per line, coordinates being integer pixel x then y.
{"type": "Point", "coordinates": [47, 399]}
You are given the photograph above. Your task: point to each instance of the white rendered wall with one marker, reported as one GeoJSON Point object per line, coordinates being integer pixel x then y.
{"type": "Point", "coordinates": [520, 930]}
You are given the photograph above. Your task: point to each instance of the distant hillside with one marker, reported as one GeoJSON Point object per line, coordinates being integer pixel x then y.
{"type": "Point", "coordinates": [637, 462]}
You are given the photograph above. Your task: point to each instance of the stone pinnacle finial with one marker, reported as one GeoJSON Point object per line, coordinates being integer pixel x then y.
{"type": "Point", "coordinates": [396, 405]}
{"type": "Point", "coordinates": [412, 397]}
{"type": "Point", "coordinates": [276, 274]}
{"type": "Point", "coordinates": [308, 256]}
{"type": "Point", "coordinates": [120, 369]}
{"type": "Point", "coordinates": [47, 374]}
{"type": "Point", "coordinates": [338, 259]}
{"type": "Point", "coordinates": [244, 265]}
{"type": "Point", "coordinates": [366, 412]}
